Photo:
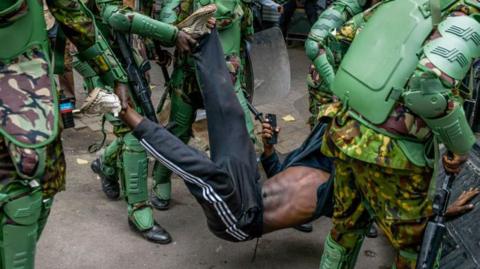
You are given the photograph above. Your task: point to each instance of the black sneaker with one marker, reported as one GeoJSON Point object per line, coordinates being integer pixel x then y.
{"type": "Point", "coordinates": [110, 185]}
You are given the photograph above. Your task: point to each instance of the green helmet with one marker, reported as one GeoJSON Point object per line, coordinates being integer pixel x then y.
{"type": "Point", "coordinates": [8, 7]}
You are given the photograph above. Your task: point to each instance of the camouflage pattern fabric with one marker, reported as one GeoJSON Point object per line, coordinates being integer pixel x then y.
{"type": "Point", "coordinates": [352, 138]}
{"type": "Point", "coordinates": [78, 27]}
{"type": "Point", "coordinates": [316, 97]}
{"type": "Point", "coordinates": [395, 199]}
{"type": "Point", "coordinates": [27, 106]}
{"type": "Point", "coordinates": [53, 177]}
{"type": "Point", "coordinates": [374, 177]}
{"type": "Point", "coordinates": [357, 141]}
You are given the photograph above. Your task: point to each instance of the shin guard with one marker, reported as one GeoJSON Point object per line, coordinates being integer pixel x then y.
{"type": "Point", "coordinates": [336, 256]}
{"type": "Point", "coordinates": [19, 217]}
{"type": "Point", "coordinates": [135, 170]}
{"type": "Point", "coordinates": [162, 187]}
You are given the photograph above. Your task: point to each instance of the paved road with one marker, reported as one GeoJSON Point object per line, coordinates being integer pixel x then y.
{"type": "Point", "coordinates": [86, 230]}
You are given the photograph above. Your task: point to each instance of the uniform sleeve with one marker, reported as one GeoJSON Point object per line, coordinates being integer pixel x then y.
{"type": "Point", "coordinates": [75, 23]}
{"type": "Point", "coordinates": [316, 45]}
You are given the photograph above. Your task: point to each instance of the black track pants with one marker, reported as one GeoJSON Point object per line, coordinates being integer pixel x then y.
{"type": "Point", "coordinates": [226, 185]}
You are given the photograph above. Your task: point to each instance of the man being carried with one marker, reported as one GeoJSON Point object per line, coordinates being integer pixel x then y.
{"type": "Point", "coordinates": [237, 207]}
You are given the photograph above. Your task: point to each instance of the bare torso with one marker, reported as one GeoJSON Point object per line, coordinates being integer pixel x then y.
{"type": "Point", "coordinates": [290, 197]}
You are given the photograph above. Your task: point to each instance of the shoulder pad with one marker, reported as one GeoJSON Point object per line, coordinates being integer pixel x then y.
{"type": "Point", "coordinates": [458, 45]}
{"type": "Point", "coordinates": [450, 55]}
{"type": "Point", "coordinates": [464, 27]}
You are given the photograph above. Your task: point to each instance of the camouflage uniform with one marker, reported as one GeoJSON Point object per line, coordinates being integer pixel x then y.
{"type": "Point", "coordinates": [234, 24]}
{"type": "Point", "coordinates": [31, 151]}
{"type": "Point", "coordinates": [376, 175]}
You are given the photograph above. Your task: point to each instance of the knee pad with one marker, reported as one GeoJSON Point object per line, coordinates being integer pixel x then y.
{"type": "Point", "coordinates": [135, 170]}
{"type": "Point", "coordinates": [20, 211]}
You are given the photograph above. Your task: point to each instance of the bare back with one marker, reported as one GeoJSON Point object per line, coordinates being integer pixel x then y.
{"type": "Point", "coordinates": [290, 197]}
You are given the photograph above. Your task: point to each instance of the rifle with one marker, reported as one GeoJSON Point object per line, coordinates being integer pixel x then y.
{"type": "Point", "coordinates": [164, 59]}
{"type": "Point", "coordinates": [433, 236]}
{"type": "Point", "coordinates": [140, 89]}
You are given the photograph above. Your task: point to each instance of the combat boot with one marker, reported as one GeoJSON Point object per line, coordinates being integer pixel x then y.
{"type": "Point", "coordinates": [141, 222]}
{"type": "Point", "coordinates": [158, 203]}
{"type": "Point", "coordinates": [110, 185]}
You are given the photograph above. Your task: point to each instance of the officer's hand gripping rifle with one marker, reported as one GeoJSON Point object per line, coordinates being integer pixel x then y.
{"type": "Point", "coordinates": [136, 76]}
{"type": "Point", "coordinates": [435, 230]}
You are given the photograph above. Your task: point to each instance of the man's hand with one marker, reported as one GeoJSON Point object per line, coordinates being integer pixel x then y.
{"type": "Point", "coordinates": [211, 22]}
{"type": "Point", "coordinates": [452, 162]}
{"type": "Point", "coordinates": [184, 42]}
{"type": "Point", "coordinates": [267, 133]}
{"type": "Point", "coordinates": [462, 205]}
{"type": "Point", "coordinates": [121, 90]}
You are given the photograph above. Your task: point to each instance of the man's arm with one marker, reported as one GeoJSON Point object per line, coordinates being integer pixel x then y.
{"type": "Point", "coordinates": [432, 91]}
{"type": "Point", "coordinates": [316, 45]}
{"type": "Point", "coordinates": [270, 161]}
{"type": "Point", "coordinates": [78, 24]}
{"type": "Point", "coordinates": [125, 20]}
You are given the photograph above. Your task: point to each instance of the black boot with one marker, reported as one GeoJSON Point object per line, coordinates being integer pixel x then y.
{"type": "Point", "coordinates": [159, 204]}
{"type": "Point", "coordinates": [305, 228]}
{"type": "Point", "coordinates": [156, 234]}
{"type": "Point", "coordinates": [110, 185]}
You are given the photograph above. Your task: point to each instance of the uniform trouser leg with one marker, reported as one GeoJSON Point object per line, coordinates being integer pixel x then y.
{"type": "Point", "coordinates": [134, 171]}
{"type": "Point", "coordinates": [211, 181]}
{"type": "Point", "coordinates": [182, 115]}
{"type": "Point", "coordinates": [396, 199]}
